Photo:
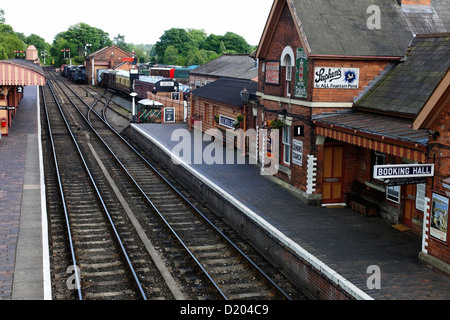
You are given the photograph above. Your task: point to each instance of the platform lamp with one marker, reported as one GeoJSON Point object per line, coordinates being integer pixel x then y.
{"type": "Point", "coordinates": [133, 95]}
{"type": "Point", "coordinates": [244, 97]}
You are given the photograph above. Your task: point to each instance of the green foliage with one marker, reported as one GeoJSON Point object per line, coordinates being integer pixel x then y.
{"type": "Point", "coordinates": [9, 42]}
{"type": "Point", "coordinates": [194, 47]}
{"type": "Point", "coordinates": [175, 47]}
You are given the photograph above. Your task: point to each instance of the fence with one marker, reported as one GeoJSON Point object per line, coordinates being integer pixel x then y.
{"type": "Point", "coordinates": [179, 107]}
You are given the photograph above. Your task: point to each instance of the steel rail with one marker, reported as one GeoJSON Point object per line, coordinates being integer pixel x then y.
{"type": "Point", "coordinates": [148, 199]}
{"type": "Point", "coordinates": [100, 199]}
{"type": "Point", "coordinates": [66, 214]}
{"type": "Point", "coordinates": [267, 277]}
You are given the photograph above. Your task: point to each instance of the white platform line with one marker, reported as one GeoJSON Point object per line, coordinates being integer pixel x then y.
{"type": "Point", "coordinates": [316, 263]}
{"type": "Point", "coordinates": [45, 243]}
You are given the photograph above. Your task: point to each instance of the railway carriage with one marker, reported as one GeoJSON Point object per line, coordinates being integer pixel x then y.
{"type": "Point", "coordinates": [163, 72]}
{"type": "Point", "coordinates": [120, 81]}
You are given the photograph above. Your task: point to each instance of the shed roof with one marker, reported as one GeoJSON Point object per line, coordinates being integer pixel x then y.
{"type": "Point", "coordinates": [226, 91]}
{"type": "Point", "coordinates": [17, 72]}
{"type": "Point", "coordinates": [106, 49]}
{"type": "Point", "coordinates": [229, 65]}
{"type": "Point", "coordinates": [376, 124]}
{"type": "Point", "coordinates": [406, 88]}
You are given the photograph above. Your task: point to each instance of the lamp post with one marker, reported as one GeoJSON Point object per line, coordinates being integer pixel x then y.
{"type": "Point", "coordinates": [133, 95]}
{"type": "Point", "coordinates": [244, 97]}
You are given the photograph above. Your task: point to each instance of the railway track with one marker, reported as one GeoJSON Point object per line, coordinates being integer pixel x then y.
{"type": "Point", "coordinates": [193, 256]}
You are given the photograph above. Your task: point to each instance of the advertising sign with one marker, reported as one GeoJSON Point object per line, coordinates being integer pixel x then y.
{"type": "Point", "coordinates": [336, 78]}
{"type": "Point", "coordinates": [301, 80]}
{"type": "Point", "coordinates": [439, 217]}
{"type": "Point", "coordinates": [273, 72]}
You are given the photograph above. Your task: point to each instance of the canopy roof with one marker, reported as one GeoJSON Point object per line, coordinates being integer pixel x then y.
{"type": "Point", "coordinates": [17, 72]}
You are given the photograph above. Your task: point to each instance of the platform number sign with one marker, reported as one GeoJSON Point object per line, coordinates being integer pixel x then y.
{"type": "Point", "coordinates": [19, 89]}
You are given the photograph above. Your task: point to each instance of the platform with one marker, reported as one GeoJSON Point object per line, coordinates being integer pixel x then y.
{"type": "Point", "coordinates": [341, 243]}
{"type": "Point", "coordinates": [24, 261]}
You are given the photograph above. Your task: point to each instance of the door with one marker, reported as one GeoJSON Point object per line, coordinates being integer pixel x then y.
{"type": "Point", "coordinates": [333, 175]}
{"type": "Point", "coordinates": [410, 204]}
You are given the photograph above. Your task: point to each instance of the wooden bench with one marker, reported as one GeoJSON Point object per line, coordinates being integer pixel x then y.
{"type": "Point", "coordinates": [360, 204]}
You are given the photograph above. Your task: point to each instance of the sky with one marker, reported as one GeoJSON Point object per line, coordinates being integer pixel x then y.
{"type": "Point", "coordinates": [142, 22]}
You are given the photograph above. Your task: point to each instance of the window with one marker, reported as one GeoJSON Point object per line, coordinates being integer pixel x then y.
{"type": "Point", "coordinates": [287, 140]}
{"type": "Point", "coordinates": [287, 59]}
{"type": "Point", "coordinates": [379, 159]}
{"type": "Point", "coordinates": [288, 64]}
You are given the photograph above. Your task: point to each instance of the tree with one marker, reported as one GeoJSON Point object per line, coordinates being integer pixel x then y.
{"type": "Point", "coordinates": [81, 34]}
{"type": "Point", "coordinates": [119, 41]}
{"type": "Point", "coordinates": [9, 42]}
{"type": "Point", "coordinates": [2, 16]}
{"type": "Point", "coordinates": [171, 55]}
{"type": "Point", "coordinates": [195, 47]}
{"type": "Point", "coordinates": [236, 43]}
{"type": "Point", "coordinates": [178, 38]}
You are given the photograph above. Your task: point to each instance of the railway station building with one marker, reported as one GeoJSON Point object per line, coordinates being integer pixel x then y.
{"type": "Point", "coordinates": [14, 75]}
{"type": "Point", "coordinates": [105, 58]}
{"type": "Point", "coordinates": [353, 83]}
{"type": "Point", "coordinates": [235, 66]}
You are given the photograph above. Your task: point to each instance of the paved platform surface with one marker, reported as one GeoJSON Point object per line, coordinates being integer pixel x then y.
{"type": "Point", "coordinates": [23, 250]}
{"type": "Point", "coordinates": [344, 240]}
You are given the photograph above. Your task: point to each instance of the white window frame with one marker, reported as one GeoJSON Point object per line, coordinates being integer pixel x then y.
{"type": "Point", "coordinates": [287, 60]}
{"type": "Point", "coordinates": [287, 145]}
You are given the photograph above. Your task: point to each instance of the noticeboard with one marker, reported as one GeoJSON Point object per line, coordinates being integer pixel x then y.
{"type": "Point", "coordinates": [169, 114]}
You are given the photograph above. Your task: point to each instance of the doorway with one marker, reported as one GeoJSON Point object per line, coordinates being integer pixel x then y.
{"type": "Point", "coordinates": [410, 204]}
{"type": "Point", "coordinates": [333, 175]}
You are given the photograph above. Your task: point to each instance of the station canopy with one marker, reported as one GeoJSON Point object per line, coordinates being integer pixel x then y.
{"type": "Point", "coordinates": [17, 72]}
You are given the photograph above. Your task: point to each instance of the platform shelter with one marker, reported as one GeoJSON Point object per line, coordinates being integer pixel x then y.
{"type": "Point", "coordinates": [14, 75]}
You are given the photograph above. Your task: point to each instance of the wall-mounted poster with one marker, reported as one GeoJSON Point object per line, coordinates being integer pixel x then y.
{"type": "Point", "coordinates": [336, 78]}
{"type": "Point", "coordinates": [297, 152]}
{"type": "Point", "coordinates": [169, 114]}
{"type": "Point", "coordinates": [273, 72]}
{"type": "Point", "coordinates": [439, 217]}
{"type": "Point", "coordinates": [301, 82]}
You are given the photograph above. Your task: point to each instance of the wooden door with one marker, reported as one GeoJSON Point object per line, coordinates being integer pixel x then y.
{"type": "Point", "coordinates": [410, 204]}
{"type": "Point", "coordinates": [333, 175]}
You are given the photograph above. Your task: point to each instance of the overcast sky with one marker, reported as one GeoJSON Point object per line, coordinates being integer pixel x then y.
{"type": "Point", "coordinates": [139, 20]}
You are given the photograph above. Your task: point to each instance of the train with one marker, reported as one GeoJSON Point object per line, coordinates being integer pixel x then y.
{"type": "Point", "coordinates": [120, 81]}
{"type": "Point", "coordinates": [181, 74]}
{"type": "Point", "coordinates": [75, 73]}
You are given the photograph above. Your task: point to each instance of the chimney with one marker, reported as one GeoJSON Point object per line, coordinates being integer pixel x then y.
{"type": "Point", "coordinates": [419, 2]}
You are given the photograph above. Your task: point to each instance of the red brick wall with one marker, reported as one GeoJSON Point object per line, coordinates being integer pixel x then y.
{"type": "Point", "coordinates": [285, 35]}
{"type": "Point", "coordinates": [440, 151]}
